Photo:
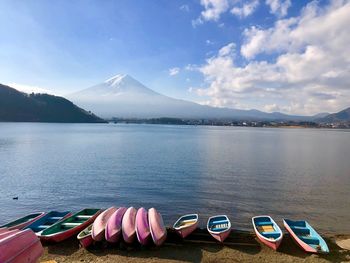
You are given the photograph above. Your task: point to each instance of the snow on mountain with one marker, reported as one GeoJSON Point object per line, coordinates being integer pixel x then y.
{"type": "Point", "coordinates": [123, 96]}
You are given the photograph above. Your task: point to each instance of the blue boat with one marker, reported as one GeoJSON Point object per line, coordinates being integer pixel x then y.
{"type": "Point", "coordinates": [47, 220]}
{"type": "Point", "coordinates": [305, 236]}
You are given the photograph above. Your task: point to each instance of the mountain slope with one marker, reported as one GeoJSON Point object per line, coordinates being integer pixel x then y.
{"type": "Point", "coordinates": [17, 107]}
{"type": "Point", "coordinates": [341, 116]}
{"type": "Point", "coordinates": [124, 97]}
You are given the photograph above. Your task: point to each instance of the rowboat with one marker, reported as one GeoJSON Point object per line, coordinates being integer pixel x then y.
{"type": "Point", "coordinates": [20, 246]}
{"type": "Point", "coordinates": [47, 220]}
{"type": "Point", "coordinates": [99, 226]}
{"type": "Point", "coordinates": [128, 225]}
{"type": "Point", "coordinates": [305, 236]}
{"type": "Point", "coordinates": [186, 224]}
{"type": "Point", "coordinates": [267, 231]}
{"type": "Point", "coordinates": [85, 237]}
{"type": "Point", "coordinates": [142, 226]}
{"type": "Point", "coordinates": [157, 228]}
{"type": "Point", "coordinates": [219, 227]}
{"type": "Point", "coordinates": [70, 226]}
{"type": "Point", "coordinates": [22, 222]}
{"type": "Point", "coordinates": [114, 225]}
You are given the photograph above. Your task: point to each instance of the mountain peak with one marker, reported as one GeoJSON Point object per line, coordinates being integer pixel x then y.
{"type": "Point", "coordinates": [123, 81]}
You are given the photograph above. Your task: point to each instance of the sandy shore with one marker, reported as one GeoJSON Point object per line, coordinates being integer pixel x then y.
{"type": "Point", "coordinates": [240, 247]}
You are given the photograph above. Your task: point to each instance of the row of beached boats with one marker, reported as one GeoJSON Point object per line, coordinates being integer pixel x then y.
{"type": "Point", "coordinates": [95, 225]}
{"type": "Point", "coordinates": [266, 229]}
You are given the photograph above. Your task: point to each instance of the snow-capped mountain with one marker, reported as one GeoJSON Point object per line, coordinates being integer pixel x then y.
{"type": "Point", "coordinates": [124, 97]}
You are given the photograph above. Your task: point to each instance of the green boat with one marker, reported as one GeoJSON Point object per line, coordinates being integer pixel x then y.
{"type": "Point", "coordinates": [23, 222]}
{"type": "Point", "coordinates": [70, 226]}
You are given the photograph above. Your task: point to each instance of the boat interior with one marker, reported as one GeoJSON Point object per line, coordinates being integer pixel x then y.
{"type": "Point", "coordinates": [186, 221]}
{"type": "Point", "coordinates": [85, 232]}
{"type": "Point", "coordinates": [47, 221]}
{"type": "Point", "coordinates": [267, 228]}
{"type": "Point", "coordinates": [218, 224]}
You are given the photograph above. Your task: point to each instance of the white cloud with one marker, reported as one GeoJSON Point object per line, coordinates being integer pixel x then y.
{"type": "Point", "coordinates": [209, 42]}
{"type": "Point", "coordinates": [28, 88]}
{"type": "Point", "coordinates": [213, 9]}
{"type": "Point", "coordinates": [309, 71]}
{"type": "Point", "coordinates": [246, 9]}
{"type": "Point", "coordinates": [279, 7]}
{"type": "Point", "coordinates": [174, 71]}
{"type": "Point", "coordinates": [185, 8]}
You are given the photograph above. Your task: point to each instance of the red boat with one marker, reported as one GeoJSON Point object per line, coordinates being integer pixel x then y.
{"type": "Point", "coordinates": [70, 226]}
{"type": "Point", "coordinates": [85, 237]}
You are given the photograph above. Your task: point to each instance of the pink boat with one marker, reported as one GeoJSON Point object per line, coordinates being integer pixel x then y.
{"type": "Point", "coordinates": [114, 225]}
{"type": "Point", "coordinates": [143, 232]}
{"type": "Point", "coordinates": [3, 230]}
{"type": "Point", "coordinates": [20, 246]}
{"type": "Point", "coordinates": [219, 227]}
{"type": "Point", "coordinates": [186, 224]}
{"type": "Point", "coordinates": [157, 228]}
{"type": "Point", "coordinates": [7, 233]}
{"type": "Point", "coordinates": [99, 226]}
{"type": "Point", "coordinates": [128, 225]}
{"type": "Point", "coordinates": [267, 230]}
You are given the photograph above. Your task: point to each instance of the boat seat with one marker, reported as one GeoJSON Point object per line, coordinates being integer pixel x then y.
{"type": "Point", "coordinates": [55, 217]}
{"type": "Point", "coordinates": [70, 224]}
{"type": "Point", "coordinates": [264, 223]}
{"type": "Point", "coordinates": [267, 228]}
{"type": "Point", "coordinates": [219, 222]}
{"type": "Point", "coordinates": [301, 230]}
{"type": "Point", "coordinates": [310, 240]}
{"type": "Point", "coordinates": [274, 233]}
{"type": "Point", "coordinates": [219, 229]}
{"type": "Point", "coordinates": [83, 217]}
{"type": "Point", "coordinates": [43, 226]}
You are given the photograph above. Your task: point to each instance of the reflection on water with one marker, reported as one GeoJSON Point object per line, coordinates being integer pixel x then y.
{"type": "Point", "coordinates": [297, 173]}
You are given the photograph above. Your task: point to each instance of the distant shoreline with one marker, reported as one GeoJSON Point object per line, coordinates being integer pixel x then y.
{"type": "Point", "coordinates": [233, 123]}
{"type": "Point", "coordinates": [264, 124]}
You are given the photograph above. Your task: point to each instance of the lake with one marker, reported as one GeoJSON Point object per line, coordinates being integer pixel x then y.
{"type": "Point", "coordinates": [241, 172]}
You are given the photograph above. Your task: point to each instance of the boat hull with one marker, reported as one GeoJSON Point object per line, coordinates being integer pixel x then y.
{"type": "Point", "coordinates": [99, 226]}
{"type": "Point", "coordinates": [143, 232]}
{"type": "Point", "coordinates": [221, 236]}
{"type": "Point", "coordinates": [86, 241]}
{"type": "Point", "coordinates": [185, 232]}
{"type": "Point", "coordinates": [21, 246]}
{"type": "Point", "coordinates": [273, 245]}
{"type": "Point", "coordinates": [114, 225]}
{"type": "Point", "coordinates": [128, 225]}
{"type": "Point", "coordinates": [157, 228]}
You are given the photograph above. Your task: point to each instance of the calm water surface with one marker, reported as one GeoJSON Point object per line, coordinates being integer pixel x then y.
{"type": "Point", "coordinates": [242, 172]}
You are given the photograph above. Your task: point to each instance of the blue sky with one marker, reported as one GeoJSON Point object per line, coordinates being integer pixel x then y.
{"type": "Point", "coordinates": [174, 48]}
